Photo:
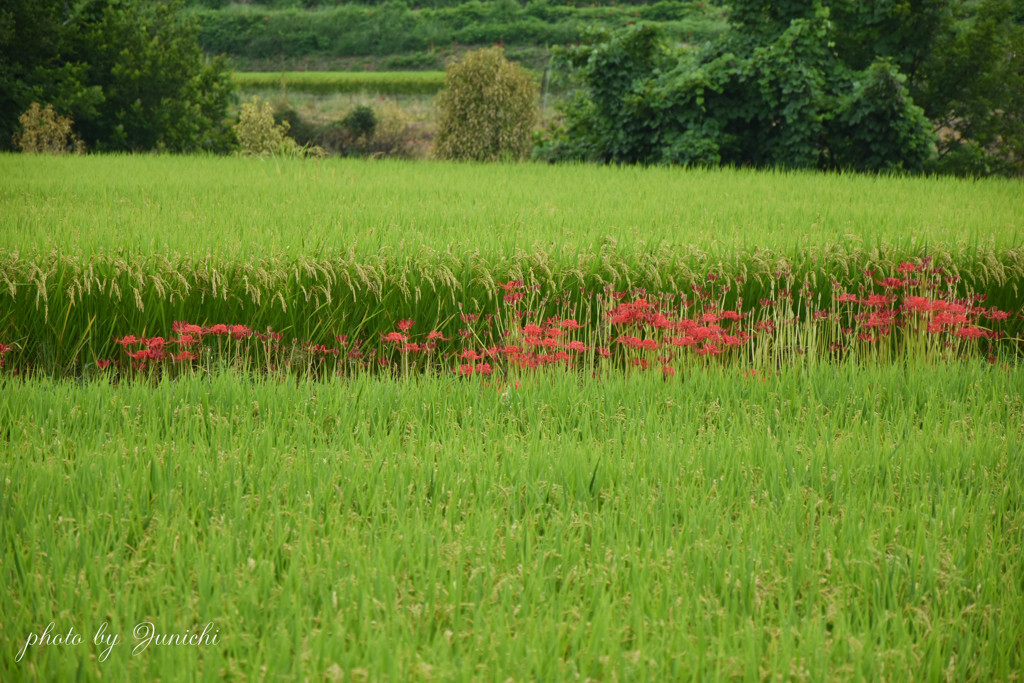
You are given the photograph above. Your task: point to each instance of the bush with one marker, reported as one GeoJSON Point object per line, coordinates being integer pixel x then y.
{"type": "Point", "coordinates": [487, 109]}
{"type": "Point", "coordinates": [44, 132]}
{"type": "Point", "coordinates": [299, 129]}
{"type": "Point", "coordinates": [361, 122]}
{"type": "Point", "coordinates": [258, 134]}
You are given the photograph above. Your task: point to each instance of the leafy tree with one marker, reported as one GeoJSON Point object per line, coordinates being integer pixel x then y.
{"type": "Point", "coordinates": [487, 110]}
{"type": "Point", "coordinates": [892, 84]}
{"type": "Point", "coordinates": [772, 93]}
{"type": "Point", "coordinates": [129, 72]}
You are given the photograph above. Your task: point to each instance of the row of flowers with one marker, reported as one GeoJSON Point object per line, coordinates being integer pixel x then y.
{"type": "Point", "coordinates": [641, 332]}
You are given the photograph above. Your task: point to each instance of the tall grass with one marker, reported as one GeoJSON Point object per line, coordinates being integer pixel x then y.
{"type": "Point", "coordinates": [827, 524]}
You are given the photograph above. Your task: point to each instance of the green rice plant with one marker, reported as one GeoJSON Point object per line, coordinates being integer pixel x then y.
{"type": "Point", "coordinates": [828, 522]}
{"type": "Point", "coordinates": [98, 247]}
{"type": "Point", "coordinates": [330, 82]}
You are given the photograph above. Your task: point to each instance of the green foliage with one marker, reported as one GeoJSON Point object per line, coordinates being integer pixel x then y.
{"type": "Point", "coordinates": [43, 131]}
{"type": "Point", "coordinates": [329, 82]}
{"type": "Point", "coordinates": [129, 72]}
{"type": "Point", "coordinates": [973, 88]}
{"type": "Point", "coordinates": [487, 109]}
{"type": "Point", "coordinates": [759, 98]}
{"type": "Point", "coordinates": [361, 122]}
{"type": "Point", "coordinates": [818, 84]}
{"type": "Point", "coordinates": [394, 27]}
{"type": "Point", "coordinates": [258, 134]}
{"type": "Point", "coordinates": [299, 129]}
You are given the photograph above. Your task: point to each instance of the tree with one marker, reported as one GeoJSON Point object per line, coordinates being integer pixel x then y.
{"type": "Point", "coordinates": [887, 85]}
{"type": "Point", "coordinates": [772, 93]}
{"type": "Point", "coordinates": [487, 109]}
{"type": "Point", "coordinates": [129, 72]}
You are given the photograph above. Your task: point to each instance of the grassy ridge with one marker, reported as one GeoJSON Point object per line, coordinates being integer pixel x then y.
{"type": "Point", "coordinates": [326, 82]}
{"type": "Point", "coordinates": [843, 523]}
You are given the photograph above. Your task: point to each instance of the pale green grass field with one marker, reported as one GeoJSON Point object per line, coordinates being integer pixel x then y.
{"type": "Point", "coordinates": [239, 208]}
{"type": "Point", "coordinates": [833, 524]}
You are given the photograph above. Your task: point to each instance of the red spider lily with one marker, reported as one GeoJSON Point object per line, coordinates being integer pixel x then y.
{"type": "Point", "coordinates": [322, 350]}
{"type": "Point", "coordinates": [354, 354]}
{"type": "Point", "coordinates": [847, 298]}
{"type": "Point", "coordinates": [995, 314]}
{"type": "Point", "coordinates": [764, 326]}
{"type": "Point", "coordinates": [466, 370]}
{"type": "Point", "coordinates": [342, 339]}
{"type": "Point", "coordinates": [182, 356]}
{"type": "Point", "coordinates": [183, 328]}
{"type": "Point", "coordinates": [891, 282]}
{"type": "Point", "coordinates": [155, 343]}
{"type": "Point", "coordinates": [863, 336]}
{"type": "Point", "coordinates": [821, 315]}
{"type": "Point", "coordinates": [102, 364]}
{"type": "Point", "coordinates": [470, 355]}
{"type": "Point", "coordinates": [511, 285]}
{"type": "Point", "coordinates": [877, 300]}
{"type": "Point", "coordinates": [130, 339]}
{"type": "Point", "coordinates": [683, 341]}
{"type": "Point", "coordinates": [907, 267]}
{"type": "Point", "coordinates": [394, 337]}
{"type": "Point", "coordinates": [731, 315]}
{"type": "Point", "coordinates": [765, 303]}
{"type": "Point", "coordinates": [577, 346]}
{"type": "Point", "coordinates": [405, 325]}
{"type": "Point", "coordinates": [603, 352]}
{"type": "Point", "coordinates": [437, 335]}
{"type": "Point", "coordinates": [533, 330]}
{"type": "Point", "coordinates": [483, 369]}
{"type": "Point", "coordinates": [835, 347]}
{"type": "Point", "coordinates": [971, 332]}
{"type": "Point", "coordinates": [147, 354]}
{"type": "Point", "coordinates": [570, 324]}
{"type": "Point", "coordinates": [412, 347]}
{"type": "Point", "coordinates": [708, 349]}
{"type": "Point", "coordinates": [642, 363]}
{"type": "Point", "coordinates": [878, 319]}
{"type": "Point", "coordinates": [187, 340]}
{"type": "Point", "coordinates": [469, 317]}
{"type": "Point", "coordinates": [712, 277]}
{"type": "Point", "coordinates": [513, 297]}
{"type": "Point", "coordinates": [668, 370]}
{"type": "Point", "coordinates": [240, 331]}
{"type": "Point", "coordinates": [217, 329]}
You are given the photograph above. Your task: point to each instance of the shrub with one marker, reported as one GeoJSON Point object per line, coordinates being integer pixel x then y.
{"type": "Point", "coordinates": [487, 109]}
{"type": "Point", "coordinates": [258, 134]}
{"type": "Point", "coordinates": [44, 132]}
{"type": "Point", "coordinates": [361, 122]}
{"type": "Point", "coordinates": [298, 128]}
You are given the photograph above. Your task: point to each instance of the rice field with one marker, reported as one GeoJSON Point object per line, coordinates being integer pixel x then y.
{"type": "Point", "coordinates": [346, 420]}
{"type": "Point", "coordinates": [329, 82]}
